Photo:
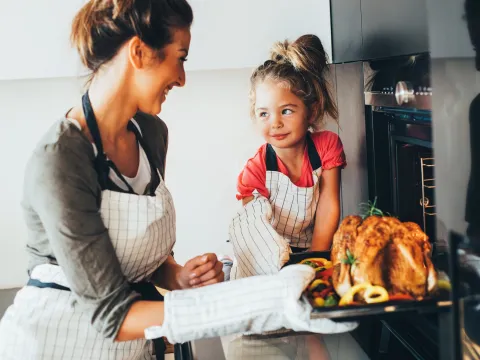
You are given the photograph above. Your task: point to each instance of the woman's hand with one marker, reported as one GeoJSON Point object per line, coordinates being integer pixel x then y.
{"type": "Point", "coordinates": [200, 271]}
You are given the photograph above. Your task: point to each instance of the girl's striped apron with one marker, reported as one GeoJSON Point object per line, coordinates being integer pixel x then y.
{"type": "Point", "coordinates": [265, 231]}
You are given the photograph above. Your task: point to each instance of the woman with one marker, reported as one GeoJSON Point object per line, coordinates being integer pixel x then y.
{"type": "Point", "coordinates": [102, 223]}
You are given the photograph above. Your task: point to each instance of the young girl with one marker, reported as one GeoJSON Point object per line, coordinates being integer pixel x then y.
{"type": "Point", "coordinates": [295, 176]}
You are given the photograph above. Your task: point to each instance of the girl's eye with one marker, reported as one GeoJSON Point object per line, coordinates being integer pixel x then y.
{"type": "Point", "coordinates": [183, 59]}
{"type": "Point", "coordinates": [287, 112]}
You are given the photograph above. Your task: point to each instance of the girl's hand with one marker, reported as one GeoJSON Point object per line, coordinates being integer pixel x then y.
{"type": "Point", "coordinates": [200, 271]}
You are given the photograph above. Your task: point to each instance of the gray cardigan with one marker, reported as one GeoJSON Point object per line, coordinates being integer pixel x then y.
{"type": "Point", "coordinates": [61, 206]}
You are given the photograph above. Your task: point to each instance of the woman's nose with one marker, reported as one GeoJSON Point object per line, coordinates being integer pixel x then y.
{"type": "Point", "coordinates": [181, 78]}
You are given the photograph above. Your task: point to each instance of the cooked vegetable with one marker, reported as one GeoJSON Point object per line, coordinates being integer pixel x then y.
{"type": "Point", "coordinates": [375, 294]}
{"type": "Point", "coordinates": [444, 285]}
{"type": "Point", "coordinates": [319, 264]}
{"type": "Point", "coordinates": [309, 263]}
{"type": "Point", "coordinates": [347, 299]}
{"type": "Point", "coordinates": [324, 273]}
{"type": "Point", "coordinates": [319, 302]}
{"type": "Point", "coordinates": [319, 285]}
{"type": "Point", "coordinates": [331, 301]}
{"type": "Point", "coordinates": [398, 297]}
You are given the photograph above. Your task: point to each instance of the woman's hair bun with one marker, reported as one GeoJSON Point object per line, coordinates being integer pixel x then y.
{"type": "Point", "coordinates": [101, 27]}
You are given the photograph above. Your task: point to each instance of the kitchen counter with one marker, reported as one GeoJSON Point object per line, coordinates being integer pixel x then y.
{"type": "Point", "coordinates": [286, 346]}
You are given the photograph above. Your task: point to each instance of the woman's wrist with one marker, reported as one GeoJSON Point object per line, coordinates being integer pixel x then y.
{"type": "Point", "coordinates": [179, 278]}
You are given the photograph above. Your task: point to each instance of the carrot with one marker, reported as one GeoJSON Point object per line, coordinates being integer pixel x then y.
{"type": "Point", "coordinates": [400, 297]}
{"type": "Point", "coordinates": [325, 273]}
{"type": "Point", "coordinates": [325, 292]}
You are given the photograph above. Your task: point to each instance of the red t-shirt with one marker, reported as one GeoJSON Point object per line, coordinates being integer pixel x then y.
{"type": "Point", "coordinates": [253, 176]}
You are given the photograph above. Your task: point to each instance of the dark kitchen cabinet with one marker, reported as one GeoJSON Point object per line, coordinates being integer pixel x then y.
{"type": "Point", "coordinates": [373, 29]}
{"type": "Point", "coordinates": [346, 23]}
{"type": "Point", "coordinates": [454, 43]}
{"type": "Point", "coordinates": [392, 27]}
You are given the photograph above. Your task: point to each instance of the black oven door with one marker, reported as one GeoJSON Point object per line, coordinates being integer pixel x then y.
{"type": "Point", "coordinates": [401, 165]}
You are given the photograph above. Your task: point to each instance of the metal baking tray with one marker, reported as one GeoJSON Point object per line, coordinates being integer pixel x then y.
{"type": "Point", "coordinates": [386, 309]}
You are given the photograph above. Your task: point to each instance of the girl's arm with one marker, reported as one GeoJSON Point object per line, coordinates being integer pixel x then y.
{"type": "Point", "coordinates": [328, 210]}
{"type": "Point", "coordinates": [246, 200]}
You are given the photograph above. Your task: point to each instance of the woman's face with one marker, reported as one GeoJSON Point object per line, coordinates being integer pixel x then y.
{"type": "Point", "coordinates": [280, 114]}
{"type": "Point", "coordinates": [162, 74]}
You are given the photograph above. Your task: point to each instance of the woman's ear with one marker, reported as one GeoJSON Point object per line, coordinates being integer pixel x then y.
{"type": "Point", "coordinates": [139, 53]}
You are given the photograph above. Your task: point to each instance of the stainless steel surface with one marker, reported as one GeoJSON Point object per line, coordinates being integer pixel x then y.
{"type": "Point", "coordinates": [404, 93]}
{"type": "Point", "coordinates": [404, 96]}
{"type": "Point", "coordinates": [293, 346]}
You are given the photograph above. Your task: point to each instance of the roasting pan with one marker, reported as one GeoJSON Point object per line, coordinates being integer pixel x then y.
{"type": "Point", "coordinates": [387, 309]}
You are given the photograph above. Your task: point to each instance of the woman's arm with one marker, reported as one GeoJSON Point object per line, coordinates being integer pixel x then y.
{"type": "Point", "coordinates": [166, 276]}
{"type": "Point", "coordinates": [328, 210]}
{"type": "Point", "coordinates": [197, 272]}
{"type": "Point", "coordinates": [140, 316]}
{"type": "Point", "coordinates": [63, 198]}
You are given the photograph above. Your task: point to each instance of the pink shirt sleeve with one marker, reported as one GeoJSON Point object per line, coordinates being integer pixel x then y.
{"type": "Point", "coordinates": [330, 149]}
{"type": "Point", "coordinates": [253, 176]}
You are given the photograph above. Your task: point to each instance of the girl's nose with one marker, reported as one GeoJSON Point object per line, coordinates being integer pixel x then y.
{"type": "Point", "coordinates": [276, 123]}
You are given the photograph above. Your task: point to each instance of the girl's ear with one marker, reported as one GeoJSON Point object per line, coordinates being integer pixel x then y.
{"type": "Point", "coordinates": [312, 114]}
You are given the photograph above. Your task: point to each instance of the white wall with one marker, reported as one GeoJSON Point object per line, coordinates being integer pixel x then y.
{"type": "Point", "coordinates": [211, 136]}
{"type": "Point", "coordinates": [27, 108]}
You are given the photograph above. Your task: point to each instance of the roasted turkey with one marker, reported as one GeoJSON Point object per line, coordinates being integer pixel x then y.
{"type": "Point", "coordinates": [381, 250]}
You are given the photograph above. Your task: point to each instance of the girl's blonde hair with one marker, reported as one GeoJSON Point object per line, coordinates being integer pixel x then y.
{"type": "Point", "coordinates": [302, 66]}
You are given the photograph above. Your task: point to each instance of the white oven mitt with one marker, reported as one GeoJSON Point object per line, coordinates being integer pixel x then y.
{"type": "Point", "coordinates": [252, 305]}
{"type": "Point", "coordinates": [258, 248]}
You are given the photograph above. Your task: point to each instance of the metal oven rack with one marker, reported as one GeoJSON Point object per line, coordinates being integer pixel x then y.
{"type": "Point", "coordinates": [427, 165]}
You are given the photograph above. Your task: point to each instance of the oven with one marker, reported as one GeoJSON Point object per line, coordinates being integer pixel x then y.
{"type": "Point", "coordinates": [401, 180]}
{"type": "Point", "coordinates": [402, 165]}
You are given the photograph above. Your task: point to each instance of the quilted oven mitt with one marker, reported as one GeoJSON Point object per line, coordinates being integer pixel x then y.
{"type": "Point", "coordinates": [256, 304]}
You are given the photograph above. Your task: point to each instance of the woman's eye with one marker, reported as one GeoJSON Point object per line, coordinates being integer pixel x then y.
{"type": "Point", "coordinates": [262, 114]}
{"type": "Point", "coordinates": [183, 59]}
{"type": "Point", "coordinates": [287, 112]}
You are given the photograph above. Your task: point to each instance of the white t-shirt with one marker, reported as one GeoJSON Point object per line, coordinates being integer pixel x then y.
{"type": "Point", "coordinates": [140, 181]}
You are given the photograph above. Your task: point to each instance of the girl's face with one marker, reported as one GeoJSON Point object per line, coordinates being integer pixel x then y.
{"type": "Point", "coordinates": [281, 115]}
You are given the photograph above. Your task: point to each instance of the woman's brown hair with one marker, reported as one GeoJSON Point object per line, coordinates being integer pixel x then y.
{"type": "Point", "coordinates": [101, 27]}
{"type": "Point", "coordinates": [302, 65]}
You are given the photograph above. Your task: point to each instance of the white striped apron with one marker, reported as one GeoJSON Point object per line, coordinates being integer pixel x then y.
{"type": "Point", "coordinates": [47, 324]}
{"type": "Point", "coordinates": [265, 230]}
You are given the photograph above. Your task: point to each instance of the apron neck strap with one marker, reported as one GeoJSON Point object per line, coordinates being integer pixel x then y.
{"type": "Point", "coordinates": [155, 178]}
{"type": "Point", "coordinates": [92, 124]}
{"type": "Point", "coordinates": [271, 160]}
{"type": "Point", "coordinates": [313, 156]}
{"type": "Point", "coordinates": [102, 164]}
